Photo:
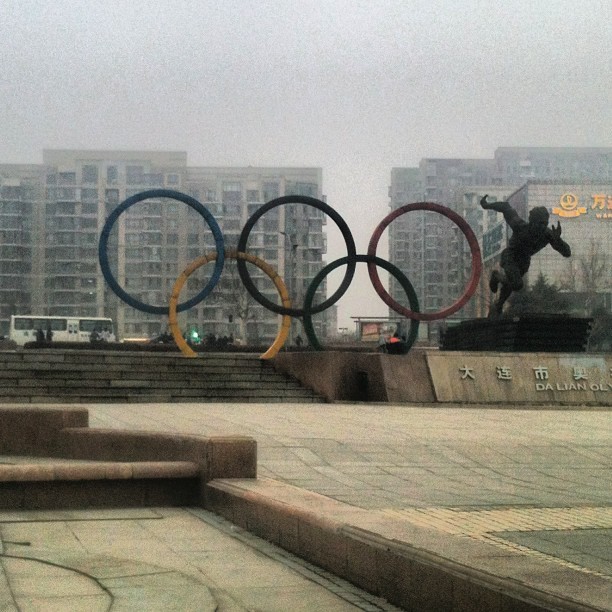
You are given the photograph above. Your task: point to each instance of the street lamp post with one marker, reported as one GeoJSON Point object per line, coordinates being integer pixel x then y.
{"type": "Point", "coordinates": [292, 285]}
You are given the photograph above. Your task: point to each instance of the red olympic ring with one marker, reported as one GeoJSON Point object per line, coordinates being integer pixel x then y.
{"type": "Point", "coordinates": [474, 249]}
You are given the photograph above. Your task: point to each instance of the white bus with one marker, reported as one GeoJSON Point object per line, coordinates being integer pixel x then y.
{"type": "Point", "coordinates": [64, 329]}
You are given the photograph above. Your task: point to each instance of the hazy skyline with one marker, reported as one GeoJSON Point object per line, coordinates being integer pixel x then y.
{"type": "Point", "coordinates": [355, 88]}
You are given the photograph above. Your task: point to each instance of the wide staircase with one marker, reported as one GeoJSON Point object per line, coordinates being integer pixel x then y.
{"type": "Point", "coordinates": [98, 376]}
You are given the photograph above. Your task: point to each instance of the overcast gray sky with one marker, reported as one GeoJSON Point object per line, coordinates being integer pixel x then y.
{"type": "Point", "coordinates": [353, 87]}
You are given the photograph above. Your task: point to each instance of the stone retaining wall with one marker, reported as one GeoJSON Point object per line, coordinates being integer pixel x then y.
{"type": "Point", "coordinates": [432, 376]}
{"type": "Point", "coordinates": [413, 567]}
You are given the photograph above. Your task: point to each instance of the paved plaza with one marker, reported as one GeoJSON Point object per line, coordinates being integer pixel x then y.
{"type": "Point", "coordinates": [536, 481]}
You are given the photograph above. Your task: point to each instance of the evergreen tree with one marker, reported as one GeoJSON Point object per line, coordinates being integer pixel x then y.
{"type": "Point", "coordinates": [541, 298]}
{"type": "Point", "coordinates": [601, 331]}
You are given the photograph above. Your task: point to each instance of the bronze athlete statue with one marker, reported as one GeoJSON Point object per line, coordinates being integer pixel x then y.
{"type": "Point", "coordinates": [527, 239]}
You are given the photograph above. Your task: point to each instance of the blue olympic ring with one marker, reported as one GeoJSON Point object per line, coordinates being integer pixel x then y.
{"type": "Point", "coordinates": [173, 195]}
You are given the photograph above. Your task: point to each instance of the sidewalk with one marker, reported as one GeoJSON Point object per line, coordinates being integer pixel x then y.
{"type": "Point", "coordinates": [536, 482]}
{"type": "Point", "coordinates": [156, 559]}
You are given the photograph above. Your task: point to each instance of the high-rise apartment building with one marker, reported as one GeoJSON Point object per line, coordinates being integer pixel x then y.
{"type": "Point", "coordinates": [51, 216]}
{"type": "Point", "coordinates": [429, 248]}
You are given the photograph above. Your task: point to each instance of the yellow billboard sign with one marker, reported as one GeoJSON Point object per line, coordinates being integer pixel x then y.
{"type": "Point", "coordinates": [602, 204]}
{"type": "Point", "coordinates": [569, 206]}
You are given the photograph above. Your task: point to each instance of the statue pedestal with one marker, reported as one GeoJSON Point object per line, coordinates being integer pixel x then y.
{"type": "Point", "coordinates": [530, 333]}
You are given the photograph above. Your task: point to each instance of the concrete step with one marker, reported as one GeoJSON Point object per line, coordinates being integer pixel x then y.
{"type": "Point", "coordinates": [126, 379]}
{"type": "Point", "coordinates": [102, 484]}
{"type": "Point", "coordinates": [143, 373]}
{"type": "Point", "coordinates": [56, 375]}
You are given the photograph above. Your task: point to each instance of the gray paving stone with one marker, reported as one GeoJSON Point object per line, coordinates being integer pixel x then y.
{"type": "Point", "coordinates": [168, 560]}
{"type": "Point", "coordinates": [374, 457]}
{"type": "Point", "coordinates": [590, 548]}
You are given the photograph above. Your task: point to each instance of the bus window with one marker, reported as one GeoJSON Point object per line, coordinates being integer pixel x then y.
{"type": "Point", "coordinates": [54, 324]}
{"type": "Point", "coordinates": [22, 323]}
{"type": "Point", "coordinates": [88, 325]}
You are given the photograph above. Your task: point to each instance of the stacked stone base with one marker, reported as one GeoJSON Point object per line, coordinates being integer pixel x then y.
{"type": "Point", "coordinates": [526, 334]}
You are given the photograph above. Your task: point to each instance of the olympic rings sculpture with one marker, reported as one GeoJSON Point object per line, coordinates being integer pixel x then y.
{"type": "Point", "coordinates": [285, 308]}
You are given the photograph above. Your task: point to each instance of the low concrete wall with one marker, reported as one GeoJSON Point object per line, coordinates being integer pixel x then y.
{"type": "Point", "coordinates": [522, 378]}
{"type": "Point", "coordinates": [236, 457]}
{"type": "Point", "coordinates": [407, 378]}
{"type": "Point", "coordinates": [111, 485]}
{"type": "Point", "coordinates": [360, 377]}
{"type": "Point", "coordinates": [412, 567]}
{"type": "Point", "coordinates": [336, 375]}
{"type": "Point", "coordinates": [141, 468]}
{"type": "Point", "coordinates": [429, 376]}
{"type": "Point", "coordinates": [34, 430]}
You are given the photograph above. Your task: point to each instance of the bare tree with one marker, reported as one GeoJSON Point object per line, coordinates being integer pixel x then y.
{"type": "Point", "coordinates": [569, 280]}
{"type": "Point", "coordinates": [587, 277]}
{"type": "Point", "coordinates": [593, 269]}
{"type": "Point", "coordinates": [238, 305]}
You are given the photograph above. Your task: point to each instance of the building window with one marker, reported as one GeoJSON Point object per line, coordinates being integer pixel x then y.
{"type": "Point", "coordinates": [305, 189]}
{"type": "Point", "coordinates": [270, 191]}
{"type": "Point", "coordinates": [133, 238]}
{"type": "Point", "coordinates": [134, 175]}
{"type": "Point", "coordinates": [112, 196]}
{"type": "Point", "coordinates": [89, 194]}
{"type": "Point", "coordinates": [270, 225]}
{"type": "Point", "coordinates": [89, 208]}
{"type": "Point", "coordinates": [232, 224]}
{"type": "Point", "coordinates": [232, 192]}
{"type": "Point", "coordinates": [112, 174]}
{"type": "Point", "coordinates": [134, 224]}
{"type": "Point", "coordinates": [88, 223]}
{"type": "Point", "coordinates": [90, 174]}
{"type": "Point", "coordinates": [88, 239]}
{"type": "Point", "coordinates": [270, 239]}
{"type": "Point", "coordinates": [67, 178]}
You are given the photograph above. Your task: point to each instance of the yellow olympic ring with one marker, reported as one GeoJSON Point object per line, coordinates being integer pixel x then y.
{"type": "Point", "coordinates": [284, 328]}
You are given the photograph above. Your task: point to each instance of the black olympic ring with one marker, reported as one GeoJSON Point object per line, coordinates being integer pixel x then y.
{"type": "Point", "coordinates": [174, 195]}
{"type": "Point", "coordinates": [346, 234]}
{"type": "Point", "coordinates": [369, 259]}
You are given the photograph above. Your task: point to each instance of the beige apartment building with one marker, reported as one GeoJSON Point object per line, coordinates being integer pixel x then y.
{"type": "Point", "coordinates": [52, 214]}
